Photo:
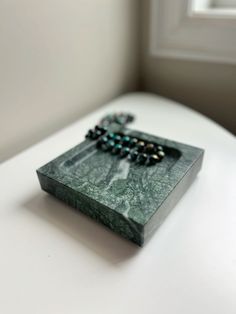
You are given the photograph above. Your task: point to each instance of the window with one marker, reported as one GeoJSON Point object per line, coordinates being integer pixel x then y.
{"type": "Point", "coordinates": [213, 7]}
{"type": "Point", "coordinates": [223, 4]}
{"type": "Point", "coordinates": [197, 29]}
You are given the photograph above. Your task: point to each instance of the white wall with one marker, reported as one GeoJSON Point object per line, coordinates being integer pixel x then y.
{"type": "Point", "coordinates": [60, 59]}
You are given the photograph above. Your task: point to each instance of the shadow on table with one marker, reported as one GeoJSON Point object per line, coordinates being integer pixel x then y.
{"type": "Point", "coordinates": [82, 228]}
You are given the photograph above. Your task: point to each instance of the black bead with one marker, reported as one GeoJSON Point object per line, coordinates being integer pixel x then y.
{"type": "Point", "coordinates": [140, 146]}
{"type": "Point", "coordinates": [101, 141]}
{"type": "Point", "coordinates": [100, 128]}
{"type": "Point", "coordinates": [142, 158]}
{"type": "Point", "coordinates": [124, 151]}
{"type": "Point", "coordinates": [153, 159]}
{"type": "Point", "coordinates": [130, 118]}
{"type": "Point", "coordinates": [105, 147]}
{"type": "Point", "coordinates": [96, 134]}
{"type": "Point", "coordinates": [97, 127]}
{"type": "Point", "coordinates": [117, 148]}
{"type": "Point", "coordinates": [133, 142]}
{"type": "Point", "coordinates": [150, 148]}
{"type": "Point", "coordinates": [120, 118]}
{"type": "Point", "coordinates": [89, 134]}
{"type": "Point", "coordinates": [133, 155]}
{"type": "Point", "coordinates": [161, 154]}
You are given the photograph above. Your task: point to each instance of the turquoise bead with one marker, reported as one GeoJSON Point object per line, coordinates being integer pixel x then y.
{"type": "Point", "coordinates": [126, 140]}
{"type": "Point", "coordinates": [111, 135]}
{"type": "Point", "coordinates": [117, 148]}
{"type": "Point", "coordinates": [111, 144]}
{"type": "Point", "coordinates": [117, 138]}
{"type": "Point", "coordinates": [124, 151]}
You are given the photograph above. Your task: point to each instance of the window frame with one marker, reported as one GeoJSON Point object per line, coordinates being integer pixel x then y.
{"type": "Point", "coordinates": [179, 30]}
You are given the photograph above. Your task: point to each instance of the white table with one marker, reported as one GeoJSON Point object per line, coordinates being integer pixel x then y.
{"type": "Point", "coordinates": [54, 260]}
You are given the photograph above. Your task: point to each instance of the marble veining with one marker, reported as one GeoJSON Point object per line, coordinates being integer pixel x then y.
{"type": "Point", "coordinates": [130, 199]}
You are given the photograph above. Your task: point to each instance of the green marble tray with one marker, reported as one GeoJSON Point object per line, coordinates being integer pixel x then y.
{"type": "Point", "coordinates": [131, 199]}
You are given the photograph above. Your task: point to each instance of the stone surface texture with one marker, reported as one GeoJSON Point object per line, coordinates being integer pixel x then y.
{"type": "Point", "coordinates": [131, 199]}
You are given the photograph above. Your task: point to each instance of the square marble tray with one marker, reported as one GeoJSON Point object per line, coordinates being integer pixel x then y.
{"type": "Point", "coordinates": [131, 199]}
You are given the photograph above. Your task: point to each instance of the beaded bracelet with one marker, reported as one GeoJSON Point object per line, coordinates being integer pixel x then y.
{"type": "Point", "coordinates": [132, 148]}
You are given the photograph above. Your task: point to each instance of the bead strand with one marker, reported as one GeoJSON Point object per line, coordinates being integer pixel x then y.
{"type": "Point", "coordinates": [136, 150]}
